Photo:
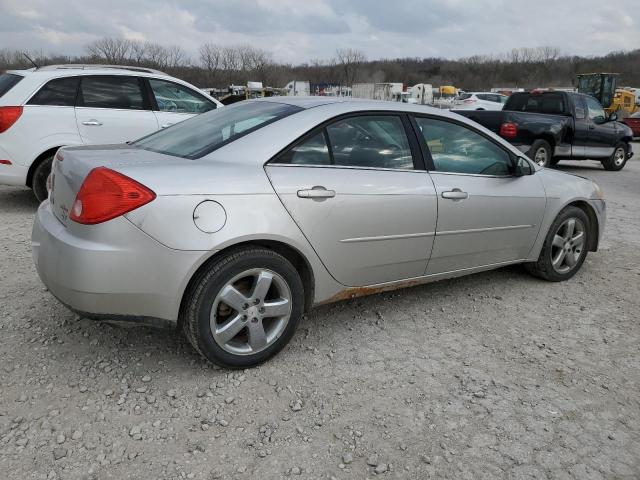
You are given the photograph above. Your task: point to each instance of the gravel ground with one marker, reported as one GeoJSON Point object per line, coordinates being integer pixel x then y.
{"type": "Point", "coordinates": [496, 375]}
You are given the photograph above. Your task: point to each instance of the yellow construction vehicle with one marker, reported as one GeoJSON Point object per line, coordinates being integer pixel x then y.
{"type": "Point", "coordinates": [625, 103]}
{"type": "Point", "coordinates": [599, 85]}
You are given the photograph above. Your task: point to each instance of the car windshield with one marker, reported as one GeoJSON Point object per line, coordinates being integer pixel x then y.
{"type": "Point", "coordinates": [205, 133]}
{"type": "Point", "coordinates": [7, 81]}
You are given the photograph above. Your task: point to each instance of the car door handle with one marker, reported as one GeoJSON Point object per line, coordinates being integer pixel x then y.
{"type": "Point", "coordinates": [455, 194]}
{"type": "Point", "coordinates": [166, 125]}
{"type": "Point", "coordinates": [92, 123]}
{"type": "Point", "coordinates": [316, 192]}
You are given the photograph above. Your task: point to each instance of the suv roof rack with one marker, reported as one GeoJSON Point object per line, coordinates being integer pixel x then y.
{"type": "Point", "coordinates": [88, 66]}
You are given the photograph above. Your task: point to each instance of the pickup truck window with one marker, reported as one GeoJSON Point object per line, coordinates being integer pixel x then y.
{"type": "Point", "coordinates": [595, 109]}
{"type": "Point", "coordinates": [536, 102]}
{"type": "Point", "coordinates": [458, 149]}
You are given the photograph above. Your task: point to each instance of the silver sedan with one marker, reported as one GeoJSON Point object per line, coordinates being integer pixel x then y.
{"type": "Point", "coordinates": [232, 224]}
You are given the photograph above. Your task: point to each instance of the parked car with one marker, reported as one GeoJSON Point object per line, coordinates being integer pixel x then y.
{"type": "Point", "coordinates": [633, 122]}
{"type": "Point", "coordinates": [231, 224]}
{"type": "Point", "coordinates": [551, 125]}
{"type": "Point", "coordinates": [479, 101]}
{"type": "Point", "coordinates": [45, 108]}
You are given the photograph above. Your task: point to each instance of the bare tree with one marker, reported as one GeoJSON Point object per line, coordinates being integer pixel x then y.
{"type": "Point", "coordinates": [113, 50]}
{"type": "Point", "coordinates": [350, 61]}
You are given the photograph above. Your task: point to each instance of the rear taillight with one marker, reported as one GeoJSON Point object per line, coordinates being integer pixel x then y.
{"type": "Point", "coordinates": [9, 116]}
{"type": "Point", "coordinates": [470, 101]}
{"type": "Point", "coordinates": [5, 162]}
{"type": "Point", "coordinates": [106, 194]}
{"type": "Point", "coordinates": [508, 130]}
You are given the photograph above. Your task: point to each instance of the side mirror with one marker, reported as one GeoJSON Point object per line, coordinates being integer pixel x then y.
{"type": "Point", "coordinates": [521, 167]}
{"type": "Point", "coordinates": [613, 117]}
{"type": "Point", "coordinates": [599, 120]}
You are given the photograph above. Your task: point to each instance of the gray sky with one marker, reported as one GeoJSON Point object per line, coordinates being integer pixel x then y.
{"type": "Point", "coordinates": [300, 30]}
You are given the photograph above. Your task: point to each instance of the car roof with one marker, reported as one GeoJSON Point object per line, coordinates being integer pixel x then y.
{"type": "Point", "coordinates": [349, 104]}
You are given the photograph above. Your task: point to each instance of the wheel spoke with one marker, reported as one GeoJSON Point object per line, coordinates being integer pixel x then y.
{"type": "Point", "coordinates": [570, 259]}
{"type": "Point", "coordinates": [558, 241]}
{"type": "Point", "coordinates": [559, 258]}
{"type": "Point", "coordinates": [276, 308]}
{"type": "Point", "coordinates": [232, 297]}
{"type": "Point", "coordinates": [571, 226]}
{"type": "Point", "coordinates": [263, 283]}
{"type": "Point", "coordinates": [257, 335]}
{"type": "Point", "coordinates": [230, 329]}
{"type": "Point", "coordinates": [578, 239]}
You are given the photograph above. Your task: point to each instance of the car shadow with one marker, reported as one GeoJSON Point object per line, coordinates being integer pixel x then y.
{"type": "Point", "coordinates": [17, 200]}
{"type": "Point", "coordinates": [582, 165]}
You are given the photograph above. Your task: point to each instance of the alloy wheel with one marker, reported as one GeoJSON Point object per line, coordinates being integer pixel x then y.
{"type": "Point", "coordinates": [619, 156]}
{"type": "Point", "coordinates": [541, 157]}
{"type": "Point", "coordinates": [567, 245]}
{"type": "Point", "coordinates": [251, 311]}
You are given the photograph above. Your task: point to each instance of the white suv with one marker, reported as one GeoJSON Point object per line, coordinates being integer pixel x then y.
{"type": "Point", "coordinates": [45, 108]}
{"type": "Point", "coordinates": [479, 101]}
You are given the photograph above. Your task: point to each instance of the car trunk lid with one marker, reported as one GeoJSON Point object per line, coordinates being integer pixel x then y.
{"type": "Point", "coordinates": [72, 165]}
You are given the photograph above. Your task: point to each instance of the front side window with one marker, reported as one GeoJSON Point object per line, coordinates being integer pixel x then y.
{"type": "Point", "coordinates": [119, 92]}
{"type": "Point", "coordinates": [457, 149]}
{"type": "Point", "coordinates": [175, 98]}
{"type": "Point", "coordinates": [596, 112]}
{"type": "Point", "coordinates": [60, 92]}
{"type": "Point", "coordinates": [202, 134]}
{"type": "Point", "coordinates": [370, 141]}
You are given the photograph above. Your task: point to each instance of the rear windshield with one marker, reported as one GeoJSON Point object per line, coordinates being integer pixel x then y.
{"type": "Point", "coordinates": [7, 81]}
{"type": "Point", "coordinates": [205, 133]}
{"type": "Point", "coordinates": [536, 102]}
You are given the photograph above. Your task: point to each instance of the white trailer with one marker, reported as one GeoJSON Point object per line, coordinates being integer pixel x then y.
{"type": "Point", "coordinates": [298, 88]}
{"type": "Point", "coordinates": [378, 91]}
{"type": "Point", "coordinates": [422, 94]}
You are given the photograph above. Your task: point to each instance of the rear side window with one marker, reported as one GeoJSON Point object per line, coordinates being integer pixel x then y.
{"type": "Point", "coordinates": [7, 82]}
{"type": "Point", "coordinates": [202, 134]}
{"type": "Point", "coordinates": [59, 92]}
{"type": "Point", "coordinates": [118, 92]}
{"type": "Point", "coordinates": [174, 98]}
{"type": "Point", "coordinates": [312, 151]}
{"type": "Point", "coordinates": [538, 103]}
{"type": "Point", "coordinates": [369, 141]}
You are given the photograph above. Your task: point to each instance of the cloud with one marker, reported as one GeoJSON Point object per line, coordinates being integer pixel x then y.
{"type": "Point", "coordinates": [297, 31]}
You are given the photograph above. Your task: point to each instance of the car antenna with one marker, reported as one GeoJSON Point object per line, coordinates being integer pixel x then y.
{"type": "Point", "coordinates": [30, 59]}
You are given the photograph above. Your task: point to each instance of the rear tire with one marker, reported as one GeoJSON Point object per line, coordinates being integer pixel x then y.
{"type": "Point", "coordinates": [565, 247]}
{"type": "Point", "coordinates": [618, 158]}
{"type": "Point", "coordinates": [39, 179]}
{"type": "Point", "coordinates": [540, 152]}
{"type": "Point", "coordinates": [230, 321]}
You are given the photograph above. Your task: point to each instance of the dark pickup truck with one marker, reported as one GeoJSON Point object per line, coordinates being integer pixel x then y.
{"type": "Point", "coordinates": [550, 126]}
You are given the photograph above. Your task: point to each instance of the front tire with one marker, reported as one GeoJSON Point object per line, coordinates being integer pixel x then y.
{"type": "Point", "coordinates": [565, 247]}
{"type": "Point", "coordinates": [39, 179]}
{"type": "Point", "coordinates": [540, 152]}
{"type": "Point", "coordinates": [618, 158]}
{"type": "Point", "coordinates": [244, 308]}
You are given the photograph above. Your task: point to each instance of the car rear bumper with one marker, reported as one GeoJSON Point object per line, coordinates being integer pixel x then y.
{"type": "Point", "coordinates": [117, 272]}
{"type": "Point", "coordinates": [13, 174]}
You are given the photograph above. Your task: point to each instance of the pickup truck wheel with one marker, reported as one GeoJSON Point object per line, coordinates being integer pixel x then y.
{"type": "Point", "coordinates": [39, 179]}
{"type": "Point", "coordinates": [618, 158]}
{"type": "Point", "coordinates": [540, 152]}
{"type": "Point", "coordinates": [564, 248]}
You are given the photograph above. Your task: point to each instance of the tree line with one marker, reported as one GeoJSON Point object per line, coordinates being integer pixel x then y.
{"type": "Point", "coordinates": [222, 65]}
